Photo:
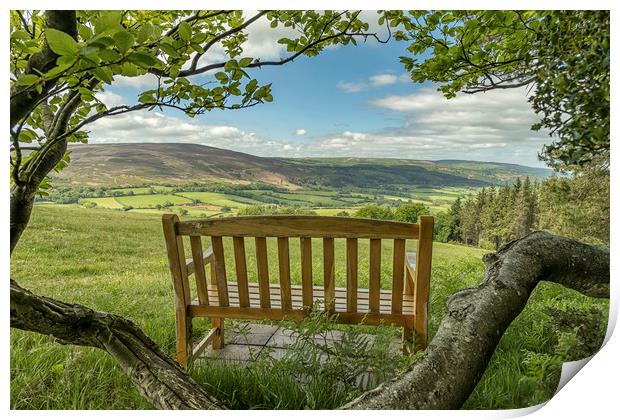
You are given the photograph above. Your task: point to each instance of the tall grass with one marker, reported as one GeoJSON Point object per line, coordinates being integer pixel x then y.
{"type": "Point", "coordinates": [116, 262]}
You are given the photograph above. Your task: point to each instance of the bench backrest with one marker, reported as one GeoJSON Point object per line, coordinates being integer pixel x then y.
{"type": "Point", "coordinates": [305, 228]}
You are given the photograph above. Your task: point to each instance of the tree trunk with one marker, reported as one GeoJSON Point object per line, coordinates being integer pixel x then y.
{"type": "Point", "coordinates": [21, 205]}
{"type": "Point", "coordinates": [477, 318]}
{"type": "Point", "coordinates": [442, 379]}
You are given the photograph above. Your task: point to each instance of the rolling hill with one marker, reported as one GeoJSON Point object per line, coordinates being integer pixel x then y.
{"type": "Point", "coordinates": [124, 164]}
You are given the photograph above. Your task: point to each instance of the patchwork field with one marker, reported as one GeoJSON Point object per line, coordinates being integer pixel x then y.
{"type": "Point", "coordinates": [161, 199]}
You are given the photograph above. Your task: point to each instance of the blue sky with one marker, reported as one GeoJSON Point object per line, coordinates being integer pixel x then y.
{"type": "Point", "coordinates": [352, 101]}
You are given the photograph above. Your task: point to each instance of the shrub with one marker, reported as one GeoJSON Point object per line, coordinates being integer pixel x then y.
{"type": "Point", "coordinates": [410, 212]}
{"type": "Point", "coordinates": [375, 212]}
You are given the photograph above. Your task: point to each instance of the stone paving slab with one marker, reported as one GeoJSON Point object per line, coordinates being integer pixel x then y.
{"type": "Point", "coordinates": [248, 340]}
{"type": "Point", "coordinates": [252, 334]}
{"type": "Point", "coordinates": [234, 352]}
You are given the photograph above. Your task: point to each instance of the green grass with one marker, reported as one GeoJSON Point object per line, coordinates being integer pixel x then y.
{"type": "Point", "coordinates": [328, 211]}
{"type": "Point", "coordinates": [152, 200]}
{"type": "Point", "coordinates": [115, 261]}
{"type": "Point", "coordinates": [105, 202]}
{"type": "Point", "coordinates": [327, 202]}
{"type": "Point", "coordinates": [219, 199]}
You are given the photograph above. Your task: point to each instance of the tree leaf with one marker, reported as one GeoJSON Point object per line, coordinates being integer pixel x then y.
{"type": "Point", "coordinates": [231, 65]}
{"type": "Point", "coordinates": [185, 31]}
{"type": "Point", "coordinates": [108, 21]}
{"type": "Point", "coordinates": [221, 77]}
{"type": "Point", "coordinates": [124, 41]}
{"type": "Point", "coordinates": [27, 80]}
{"type": "Point", "coordinates": [143, 60]}
{"type": "Point", "coordinates": [103, 73]}
{"type": "Point", "coordinates": [245, 61]}
{"type": "Point", "coordinates": [169, 49]}
{"type": "Point", "coordinates": [61, 43]}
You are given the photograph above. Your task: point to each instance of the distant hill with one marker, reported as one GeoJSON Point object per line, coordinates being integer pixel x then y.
{"type": "Point", "coordinates": [124, 164]}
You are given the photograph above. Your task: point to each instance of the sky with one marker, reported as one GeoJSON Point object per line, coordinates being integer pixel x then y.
{"type": "Point", "coordinates": [349, 101]}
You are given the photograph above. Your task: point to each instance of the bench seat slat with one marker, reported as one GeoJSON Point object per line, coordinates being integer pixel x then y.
{"type": "Point", "coordinates": [385, 298]}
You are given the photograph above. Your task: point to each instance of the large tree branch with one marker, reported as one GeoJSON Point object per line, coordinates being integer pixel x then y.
{"type": "Point", "coordinates": [159, 378]}
{"type": "Point", "coordinates": [193, 70]}
{"type": "Point", "coordinates": [477, 318]}
{"type": "Point", "coordinates": [500, 85]}
{"type": "Point", "coordinates": [320, 40]}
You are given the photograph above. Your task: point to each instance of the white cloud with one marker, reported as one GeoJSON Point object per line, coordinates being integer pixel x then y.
{"type": "Point", "coordinates": [144, 82]}
{"type": "Point", "coordinates": [483, 126]}
{"type": "Point", "coordinates": [350, 87]}
{"type": "Point", "coordinates": [262, 42]}
{"type": "Point", "coordinates": [376, 80]}
{"type": "Point", "coordinates": [110, 99]}
{"type": "Point", "coordinates": [300, 132]}
{"type": "Point", "coordinates": [383, 79]}
{"type": "Point", "coordinates": [489, 127]}
{"type": "Point", "coordinates": [153, 127]}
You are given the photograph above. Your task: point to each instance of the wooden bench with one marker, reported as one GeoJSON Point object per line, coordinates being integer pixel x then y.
{"type": "Point", "coordinates": [404, 304]}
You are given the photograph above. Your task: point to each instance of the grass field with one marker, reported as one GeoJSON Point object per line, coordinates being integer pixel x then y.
{"type": "Point", "coordinates": [116, 262]}
{"type": "Point", "coordinates": [104, 202]}
{"type": "Point", "coordinates": [218, 199]}
{"type": "Point", "coordinates": [148, 201]}
{"type": "Point", "coordinates": [145, 199]}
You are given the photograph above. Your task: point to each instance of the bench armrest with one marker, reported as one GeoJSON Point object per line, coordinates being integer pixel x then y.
{"type": "Point", "coordinates": [207, 257]}
{"type": "Point", "coordinates": [410, 263]}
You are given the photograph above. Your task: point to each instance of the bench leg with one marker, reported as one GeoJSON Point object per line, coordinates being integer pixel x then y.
{"type": "Point", "coordinates": [218, 339]}
{"type": "Point", "coordinates": [421, 332]}
{"type": "Point", "coordinates": [183, 338]}
{"type": "Point", "coordinates": [407, 340]}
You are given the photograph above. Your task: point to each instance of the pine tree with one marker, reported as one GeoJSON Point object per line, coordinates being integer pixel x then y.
{"type": "Point", "coordinates": [455, 214]}
{"type": "Point", "coordinates": [525, 210]}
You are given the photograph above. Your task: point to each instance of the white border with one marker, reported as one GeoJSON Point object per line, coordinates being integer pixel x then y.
{"type": "Point", "coordinates": [592, 393]}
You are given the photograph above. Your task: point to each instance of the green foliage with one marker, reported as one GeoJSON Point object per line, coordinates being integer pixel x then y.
{"type": "Point", "coordinates": [258, 210]}
{"type": "Point", "coordinates": [314, 372]}
{"type": "Point", "coordinates": [410, 212]}
{"type": "Point", "coordinates": [375, 212]}
{"type": "Point", "coordinates": [565, 55]}
{"type": "Point", "coordinates": [61, 43]}
{"type": "Point", "coordinates": [443, 227]}
{"type": "Point", "coordinates": [576, 206]}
